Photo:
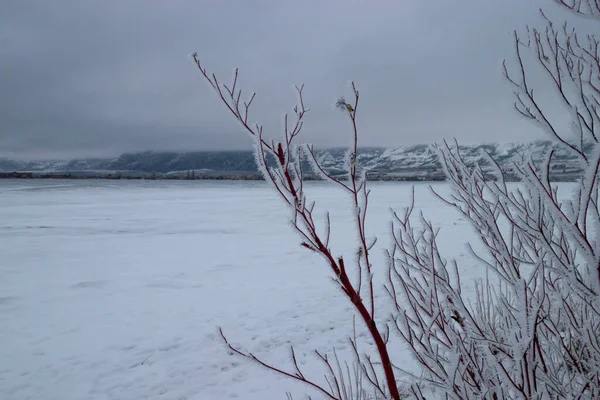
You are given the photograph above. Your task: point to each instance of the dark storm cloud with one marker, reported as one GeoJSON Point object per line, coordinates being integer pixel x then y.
{"type": "Point", "coordinates": [93, 78]}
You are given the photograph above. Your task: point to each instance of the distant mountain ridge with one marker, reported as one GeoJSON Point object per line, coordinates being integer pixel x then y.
{"type": "Point", "coordinates": [405, 162]}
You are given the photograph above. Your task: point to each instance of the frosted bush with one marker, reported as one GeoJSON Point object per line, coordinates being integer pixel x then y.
{"type": "Point", "coordinates": [532, 331]}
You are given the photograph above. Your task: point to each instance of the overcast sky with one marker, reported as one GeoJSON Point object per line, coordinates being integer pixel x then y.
{"type": "Point", "coordinates": [82, 78]}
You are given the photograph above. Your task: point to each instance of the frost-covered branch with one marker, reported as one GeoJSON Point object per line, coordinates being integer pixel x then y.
{"type": "Point", "coordinates": [281, 165]}
{"type": "Point", "coordinates": [533, 327]}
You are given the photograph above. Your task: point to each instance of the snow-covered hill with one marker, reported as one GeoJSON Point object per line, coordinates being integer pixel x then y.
{"type": "Point", "coordinates": [421, 160]}
{"type": "Point", "coordinates": [403, 162]}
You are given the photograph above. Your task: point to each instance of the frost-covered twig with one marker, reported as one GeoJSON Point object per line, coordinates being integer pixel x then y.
{"type": "Point", "coordinates": [281, 165]}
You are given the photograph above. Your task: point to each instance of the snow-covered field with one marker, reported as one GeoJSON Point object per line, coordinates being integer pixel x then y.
{"type": "Point", "coordinates": [115, 289]}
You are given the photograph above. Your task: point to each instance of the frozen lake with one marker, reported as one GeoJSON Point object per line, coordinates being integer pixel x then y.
{"type": "Point", "coordinates": [115, 289]}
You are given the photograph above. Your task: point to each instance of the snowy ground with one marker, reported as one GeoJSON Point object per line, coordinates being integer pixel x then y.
{"type": "Point", "coordinates": [114, 290]}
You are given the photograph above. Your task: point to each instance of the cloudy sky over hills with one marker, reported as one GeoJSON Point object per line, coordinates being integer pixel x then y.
{"type": "Point", "coordinates": [96, 78]}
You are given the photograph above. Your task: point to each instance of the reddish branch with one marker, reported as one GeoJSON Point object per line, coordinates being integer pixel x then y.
{"type": "Point", "coordinates": [286, 177]}
{"type": "Point", "coordinates": [296, 375]}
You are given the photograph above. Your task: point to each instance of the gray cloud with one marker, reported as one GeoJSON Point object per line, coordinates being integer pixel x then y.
{"type": "Point", "coordinates": [98, 78]}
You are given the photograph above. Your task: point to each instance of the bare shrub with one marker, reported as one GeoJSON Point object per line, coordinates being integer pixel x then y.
{"type": "Point", "coordinates": [532, 330]}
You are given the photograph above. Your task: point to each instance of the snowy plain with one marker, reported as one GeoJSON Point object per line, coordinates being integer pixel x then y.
{"type": "Point", "coordinates": [115, 289]}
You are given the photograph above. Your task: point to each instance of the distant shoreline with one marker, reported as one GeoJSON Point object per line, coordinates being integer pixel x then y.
{"type": "Point", "coordinates": [186, 176]}
{"type": "Point", "coordinates": [232, 176]}
{"type": "Point", "coordinates": [419, 163]}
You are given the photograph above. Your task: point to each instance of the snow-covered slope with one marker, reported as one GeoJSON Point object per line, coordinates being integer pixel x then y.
{"type": "Point", "coordinates": [407, 161]}
{"type": "Point", "coordinates": [422, 161]}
